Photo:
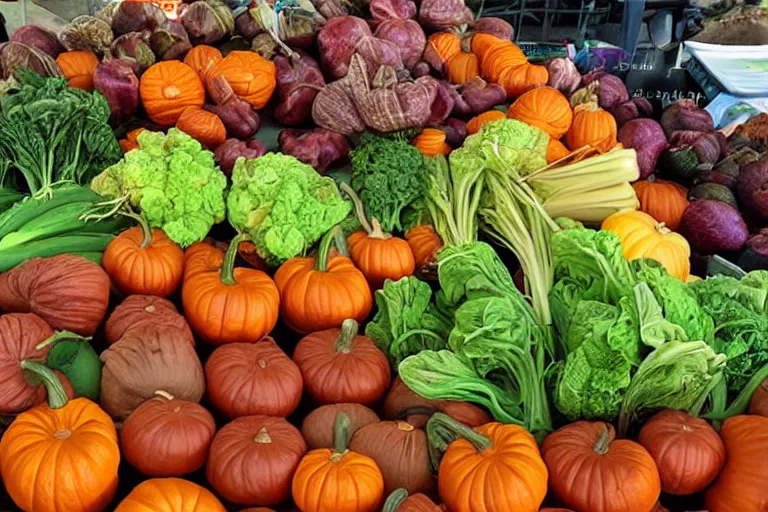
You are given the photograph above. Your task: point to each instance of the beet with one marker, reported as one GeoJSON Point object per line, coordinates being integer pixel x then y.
{"type": "Point", "coordinates": [318, 148]}
{"type": "Point", "coordinates": [563, 75]}
{"type": "Point", "coordinates": [227, 153]}
{"type": "Point", "coordinates": [444, 14]}
{"type": "Point", "coordinates": [632, 109]}
{"type": "Point", "coordinates": [134, 49]}
{"type": "Point", "coordinates": [420, 69]}
{"type": "Point", "coordinates": [755, 255]}
{"type": "Point", "coordinates": [136, 17]}
{"type": "Point", "coordinates": [337, 41]}
{"type": "Point", "coordinates": [610, 89]}
{"type": "Point", "coordinates": [444, 103]}
{"type": "Point", "coordinates": [377, 52]}
{"type": "Point", "coordinates": [494, 26]}
{"type": "Point", "coordinates": [713, 226]}
{"type": "Point", "coordinates": [247, 26]}
{"type": "Point", "coordinates": [752, 187]}
{"type": "Point", "coordinates": [407, 35]}
{"type": "Point", "coordinates": [40, 38]}
{"type": "Point", "coordinates": [383, 10]}
{"type": "Point", "coordinates": [647, 138]}
{"type": "Point", "coordinates": [481, 96]}
{"type": "Point", "coordinates": [455, 131]}
{"type": "Point", "coordinates": [116, 81]}
{"type": "Point", "coordinates": [238, 116]}
{"type": "Point", "coordinates": [686, 115]}
{"type": "Point", "coordinates": [299, 79]}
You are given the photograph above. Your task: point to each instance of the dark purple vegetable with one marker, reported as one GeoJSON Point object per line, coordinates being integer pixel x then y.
{"type": "Point", "coordinates": [115, 80]}
{"type": "Point", "coordinates": [708, 146]}
{"type": "Point", "coordinates": [610, 89]}
{"type": "Point", "coordinates": [232, 149]}
{"type": "Point", "coordinates": [407, 35]}
{"type": "Point", "coordinates": [455, 131]}
{"type": "Point", "coordinates": [337, 41]}
{"type": "Point", "coordinates": [318, 148]}
{"type": "Point", "coordinates": [444, 14]}
{"type": "Point", "coordinates": [383, 10]}
{"type": "Point", "coordinates": [377, 53]}
{"type": "Point", "coordinates": [714, 191]}
{"type": "Point", "coordinates": [647, 138]}
{"type": "Point", "coordinates": [713, 226]}
{"type": "Point", "coordinates": [494, 26]}
{"type": "Point", "coordinates": [133, 48]}
{"type": "Point", "coordinates": [170, 41]}
{"type": "Point", "coordinates": [38, 37]}
{"type": "Point", "coordinates": [752, 187]}
{"type": "Point", "coordinates": [755, 255]}
{"type": "Point", "coordinates": [420, 69]}
{"type": "Point", "coordinates": [444, 104]}
{"type": "Point", "coordinates": [136, 17]}
{"type": "Point", "coordinates": [17, 56]}
{"type": "Point", "coordinates": [686, 115]}
{"type": "Point", "coordinates": [633, 109]}
{"type": "Point", "coordinates": [238, 116]}
{"type": "Point", "coordinates": [87, 33]}
{"type": "Point", "coordinates": [299, 80]}
{"type": "Point", "coordinates": [247, 26]}
{"type": "Point", "coordinates": [563, 75]}
{"type": "Point", "coordinates": [481, 96]}
{"type": "Point", "coordinates": [207, 21]}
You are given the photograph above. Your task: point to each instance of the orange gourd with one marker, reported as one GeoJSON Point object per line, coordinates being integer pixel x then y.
{"type": "Point", "coordinates": [474, 124]}
{"type": "Point", "coordinates": [462, 67]}
{"type": "Point", "coordinates": [78, 67]}
{"type": "Point", "coordinates": [493, 467]}
{"type": "Point", "coordinates": [663, 200]}
{"type": "Point", "coordinates": [321, 292]}
{"type": "Point", "coordinates": [441, 46]}
{"type": "Point", "coordinates": [60, 456]}
{"type": "Point", "coordinates": [500, 59]}
{"type": "Point", "coordinates": [169, 87]}
{"type": "Point", "coordinates": [131, 140]}
{"type": "Point", "coordinates": [520, 79]}
{"type": "Point", "coordinates": [481, 43]}
{"type": "Point", "coordinates": [546, 108]}
{"type": "Point", "coordinates": [224, 304]}
{"type": "Point", "coordinates": [338, 479]}
{"type": "Point", "coordinates": [741, 484]}
{"type": "Point", "coordinates": [592, 126]}
{"type": "Point", "coordinates": [556, 150]}
{"type": "Point", "coordinates": [206, 127]}
{"type": "Point", "coordinates": [425, 243]}
{"type": "Point", "coordinates": [170, 495]}
{"type": "Point", "coordinates": [251, 76]}
{"type": "Point", "coordinates": [202, 59]}
{"type": "Point", "coordinates": [400, 501]}
{"type": "Point", "coordinates": [431, 142]}
{"type": "Point", "coordinates": [143, 261]}
{"type": "Point", "coordinates": [642, 237]}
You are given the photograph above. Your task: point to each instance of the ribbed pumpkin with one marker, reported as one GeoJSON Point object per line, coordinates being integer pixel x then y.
{"type": "Point", "coordinates": [170, 495]}
{"type": "Point", "coordinates": [523, 78]}
{"type": "Point", "coordinates": [131, 142]}
{"type": "Point", "coordinates": [400, 501]}
{"type": "Point", "coordinates": [462, 67]}
{"type": "Point", "coordinates": [474, 124]}
{"type": "Point", "coordinates": [137, 311]}
{"type": "Point", "coordinates": [440, 47]}
{"type": "Point", "coordinates": [592, 126]}
{"type": "Point", "coordinates": [545, 108]}
{"type": "Point", "coordinates": [497, 56]}
{"type": "Point", "coordinates": [431, 142]}
{"type": "Point", "coordinates": [556, 150]}
{"type": "Point", "coordinates": [642, 237]}
{"type": "Point", "coordinates": [169, 87]}
{"type": "Point", "coordinates": [317, 427]}
{"type": "Point", "coordinates": [202, 59]}
{"type": "Point", "coordinates": [251, 76]}
{"type": "Point", "coordinates": [203, 126]}
{"type": "Point", "coordinates": [78, 67]}
{"type": "Point", "coordinates": [663, 200]}
{"type": "Point", "coordinates": [425, 243]}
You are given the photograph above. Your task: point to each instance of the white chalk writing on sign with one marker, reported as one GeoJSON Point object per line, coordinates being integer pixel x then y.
{"type": "Point", "coordinates": [666, 97]}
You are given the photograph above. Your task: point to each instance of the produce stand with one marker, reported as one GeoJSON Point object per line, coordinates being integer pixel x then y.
{"type": "Point", "coordinates": [341, 256]}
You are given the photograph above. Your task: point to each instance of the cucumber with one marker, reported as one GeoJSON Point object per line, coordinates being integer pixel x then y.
{"type": "Point", "coordinates": [29, 209]}
{"type": "Point", "coordinates": [77, 243]}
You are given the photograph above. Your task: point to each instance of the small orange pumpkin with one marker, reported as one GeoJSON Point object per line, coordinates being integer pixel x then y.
{"type": "Point", "coordinates": [251, 76]}
{"type": "Point", "coordinates": [592, 126]}
{"type": "Point", "coordinates": [462, 67]}
{"type": "Point", "coordinates": [425, 243]}
{"type": "Point", "coordinates": [202, 59]}
{"type": "Point", "coordinates": [143, 261]}
{"type": "Point", "coordinates": [170, 495]}
{"type": "Point", "coordinates": [556, 150]}
{"type": "Point", "coordinates": [206, 127]}
{"type": "Point", "coordinates": [78, 67]}
{"type": "Point", "coordinates": [474, 124]}
{"type": "Point", "coordinates": [441, 46]}
{"type": "Point", "coordinates": [642, 237]}
{"type": "Point", "coordinates": [545, 108]}
{"type": "Point", "coordinates": [400, 501]}
{"type": "Point", "coordinates": [131, 141]}
{"type": "Point", "coordinates": [338, 479]}
{"type": "Point", "coordinates": [169, 87]}
{"type": "Point", "coordinates": [663, 200]}
{"type": "Point", "coordinates": [431, 142]}
{"type": "Point", "coordinates": [224, 304]}
{"type": "Point", "coordinates": [523, 78]}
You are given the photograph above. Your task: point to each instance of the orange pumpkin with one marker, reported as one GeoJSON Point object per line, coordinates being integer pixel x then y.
{"type": "Point", "coordinates": [523, 78]}
{"type": "Point", "coordinates": [224, 304]}
{"type": "Point", "coordinates": [251, 76]}
{"type": "Point", "coordinates": [131, 140]}
{"type": "Point", "coordinates": [462, 67]}
{"type": "Point", "coordinates": [642, 237]}
{"type": "Point", "coordinates": [590, 470]}
{"type": "Point", "coordinates": [425, 243]}
{"type": "Point", "coordinates": [78, 67]}
{"type": "Point", "coordinates": [400, 501]}
{"type": "Point", "coordinates": [496, 55]}
{"type": "Point", "coordinates": [338, 479]}
{"type": "Point", "coordinates": [592, 126]}
{"type": "Point", "coordinates": [477, 122]}
{"type": "Point", "coordinates": [206, 127]}
{"type": "Point", "coordinates": [545, 108]}
{"type": "Point", "coordinates": [493, 467]}
{"type": "Point", "coordinates": [320, 293]}
{"type": "Point", "coordinates": [202, 59]}
{"type": "Point", "coordinates": [60, 456]}
{"type": "Point", "coordinates": [556, 150]}
{"type": "Point", "coordinates": [441, 46]}
{"type": "Point", "coordinates": [144, 261]}
{"type": "Point", "coordinates": [170, 495]}
{"type": "Point", "coordinates": [431, 142]}
{"type": "Point", "coordinates": [169, 87]}
{"type": "Point", "coordinates": [663, 200]}
{"type": "Point", "coordinates": [741, 484]}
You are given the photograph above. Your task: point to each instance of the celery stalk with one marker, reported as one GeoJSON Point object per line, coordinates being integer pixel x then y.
{"type": "Point", "coordinates": [594, 206]}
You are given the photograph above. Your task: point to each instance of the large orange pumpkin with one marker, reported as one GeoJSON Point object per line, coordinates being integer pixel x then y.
{"type": "Point", "coordinates": [338, 480]}
{"type": "Point", "coordinates": [663, 200]}
{"type": "Point", "coordinates": [545, 108]}
{"type": "Point", "coordinates": [497, 56]}
{"type": "Point", "coordinates": [493, 467]}
{"type": "Point", "coordinates": [144, 261]}
{"type": "Point", "coordinates": [642, 237]}
{"type": "Point", "coordinates": [170, 495]}
{"type": "Point", "coordinates": [590, 470]}
{"type": "Point", "coordinates": [741, 485]}
{"type": "Point", "coordinates": [523, 78]}
{"type": "Point", "coordinates": [202, 58]}
{"type": "Point", "coordinates": [477, 122]}
{"type": "Point", "coordinates": [224, 304]}
{"type": "Point", "coordinates": [462, 67]}
{"type": "Point", "coordinates": [78, 67]}
{"type": "Point", "coordinates": [592, 126]}
{"type": "Point", "coordinates": [169, 87]}
{"type": "Point", "coordinates": [320, 293]}
{"type": "Point", "coordinates": [251, 76]}
{"type": "Point", "coordinates": [203, 126]}
{"type": "Point", "coordinates": [400, 501]}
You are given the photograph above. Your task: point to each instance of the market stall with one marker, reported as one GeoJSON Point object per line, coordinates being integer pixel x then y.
{"type": "Point", "coordinates": [336, 256]}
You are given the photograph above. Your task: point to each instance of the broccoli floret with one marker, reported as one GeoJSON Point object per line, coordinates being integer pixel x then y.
{"type": "Point", "coordinates": [283, 204]}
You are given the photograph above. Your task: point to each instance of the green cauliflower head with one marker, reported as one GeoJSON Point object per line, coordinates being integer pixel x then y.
{"type": "Point", "coordinates": [173, 181]}
{"type": "Point", "coordinates": [283, 204]}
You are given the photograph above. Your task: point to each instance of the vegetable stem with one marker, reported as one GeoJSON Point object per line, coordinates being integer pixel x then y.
{"type": "Point", "coordinates": [324, 251]}
{"type": "Point", "coordinates": [146, 232]}
{"type": "Point", "coordinates": [359, 208]}
{"type": "Point", "coordinates": [349, 329]}
{"type": "Point", "coordinates": [164, 394]}
{"type": "Point", "coordinates": [395, 500]}
{"type": "Point", "coordinates": [341, 433]}
{"type": "Point", "coordinates": [601, 446]}
{"type": "Point", "coordinates": [442, 430]}
{"type": "Point", "coordinates": [740, 404]}
{"type": "Point", "coordinates": [228, 267]}
{"type": "Point", "coordinates": [61, 336]}
{"type": "Point", "coordinates": [37, 372]}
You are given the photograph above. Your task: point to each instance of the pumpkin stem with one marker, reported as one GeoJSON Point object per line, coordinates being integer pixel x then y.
{"type": "Point", "coordinates": [601, 446]}
{"type": "Point", "coordinates": [164, 394]}
{"type": "Point", "coordinates": [38, 373]}
{"type": "Point", "coordinates": [228, 267]}
{"type": "Point", "coordinates": [144, 227]}
{"type": "Point", "coordinates": [341, 243]}
{"type": "Point", "coordinates": [359, 208]}
{"type": "Point", "coordinates": [377, 231]}
{"type": "Point", "coordinates": [442, 430]}
{"type": "Point", "coordinates": [324, 251]}
{"type": "Point", "coordinates": [61, 336]}
{"type": "Point", "coordinates": [341, 435]}
{"type": "Point", "coordinates": [395, 500]}
{"type": "Point", "coordinates": [349, 329]}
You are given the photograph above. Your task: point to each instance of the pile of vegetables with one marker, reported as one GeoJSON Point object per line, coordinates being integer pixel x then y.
{"type": "Point", "coordinates": [457, 280]}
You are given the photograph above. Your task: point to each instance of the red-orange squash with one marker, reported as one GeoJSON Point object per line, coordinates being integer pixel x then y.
{"type": "Point", "coordinates": [400, 501]}
{"type": "Point", "coordinates": [253, 459]}
{"type": "Point", "coordinates": [590, 470]}
{"type": "Point", "coordinates": [663, 200]}
{"type": "Point", "coordinates": [170, 495]}
{"type": "Point", "coordinates": [441, 46]}
{"type": "Point", "coordinates": [431, 142]}
{"type": "Point", "coordinates": [556, 150]}
{"type": "Point", "coordinates": [244, 379]}
{"type": "Point", "coordinates": [202, 58]}
{"type": "Point", "coordinates": [592, 126]}
{"type": "Point", "coordinates": [251, 76]}
{"type": "Point", "coordinates": [687, 451]}
{"type": "Point", "coordinates": [167, 88]}
{"type": "Point", "coordinates": [166, 436]}
{"type": "Point", "coordinates": [136, 311]}
{"type": "Point", "coordinates": [317, 427]}
{"type": "Point", "coordinates": [78, 68]}
{"type": "Point", "coordinates": [131, 141]}
{"type": "Point", "coordinates": [425, 243]}
{"type": "Point", "coordinates": [523, 78]}
{"type": "Point", "coordinates": [545, 108]}
{"type": "Point", "coordinates": [203, 126]}
{"type": "Point", "coordinates": [462, 67]}
{"type": "Point", "coordinates": [474, 124]}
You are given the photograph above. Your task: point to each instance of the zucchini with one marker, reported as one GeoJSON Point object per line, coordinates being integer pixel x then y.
{"type": "Point", "coordinates": [29, 209]}
{"type": "Point", "coordinates": [77, 243]}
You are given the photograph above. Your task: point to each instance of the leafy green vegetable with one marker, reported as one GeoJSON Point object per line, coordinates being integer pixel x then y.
{"type": "Point", "coordinates": [387, 174]}
{"type": "Point", "coordinates": [284, 205]}
{"type": "Point", "coordinates": [407, 320]}
{"type": "Point", "coordinates": [50, 132]}
{"type": "Point", "coordinates": [173, 180]}
{"type": "Point", "coordinates": [655, 330]}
